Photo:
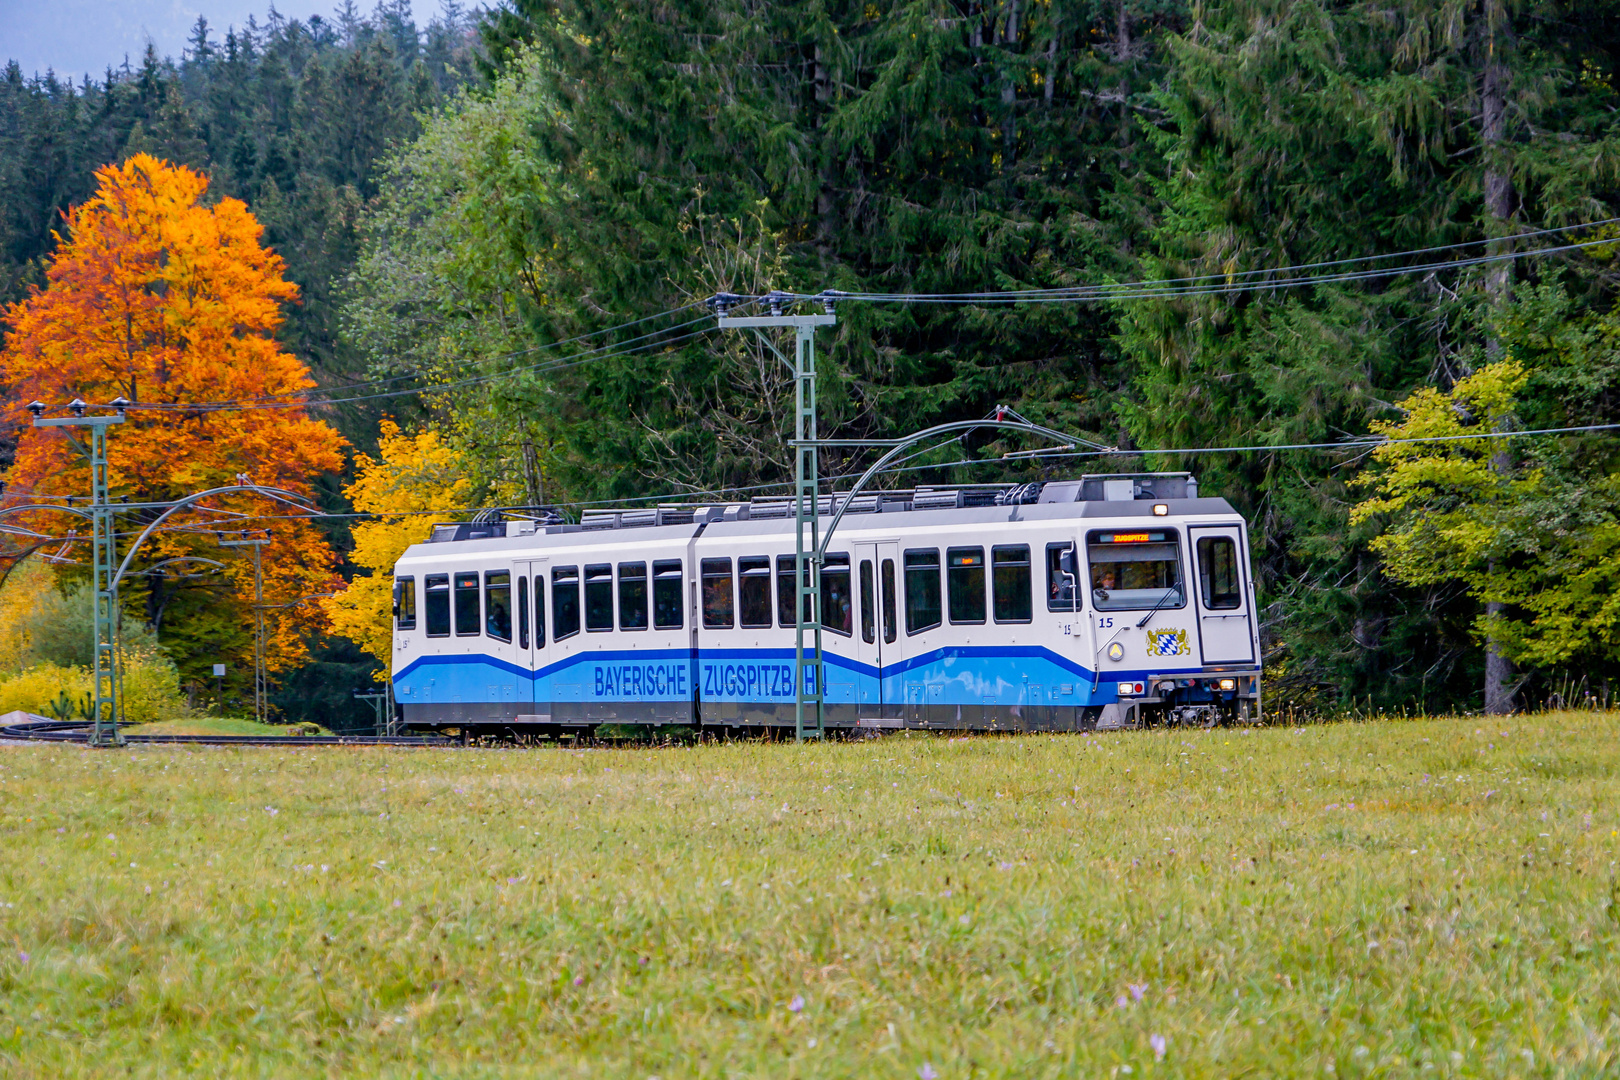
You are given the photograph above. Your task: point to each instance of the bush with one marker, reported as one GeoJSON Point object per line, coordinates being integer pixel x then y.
{"type": "Point", "coordinates": [151, 690]}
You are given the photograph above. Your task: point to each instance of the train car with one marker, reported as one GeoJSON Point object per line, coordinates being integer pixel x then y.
{"type": "Point", "coordinates": [1105, 602]}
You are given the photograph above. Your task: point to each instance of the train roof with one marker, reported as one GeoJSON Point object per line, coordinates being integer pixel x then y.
{"type": "Point", "coordinates": [1087, 498]}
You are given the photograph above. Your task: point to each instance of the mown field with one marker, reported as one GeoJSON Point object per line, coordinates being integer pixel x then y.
{"type": "Point", "coordinates": [1395, 899]}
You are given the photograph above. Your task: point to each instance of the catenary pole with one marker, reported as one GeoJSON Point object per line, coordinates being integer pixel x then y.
{"type": "Point", "coordinates": [809, 713]}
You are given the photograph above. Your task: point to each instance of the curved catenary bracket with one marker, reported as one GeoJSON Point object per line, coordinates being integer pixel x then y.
{"type": "Point", "coordinates": [1021, 425]}
{"type": "Point", "coordinates": [190, 500]}
{"type": "Point", "coordinates": [44, 506]}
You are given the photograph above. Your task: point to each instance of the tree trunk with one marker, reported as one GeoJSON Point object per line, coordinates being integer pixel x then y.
{"type": "Point", "coordinates": [1499, 197]}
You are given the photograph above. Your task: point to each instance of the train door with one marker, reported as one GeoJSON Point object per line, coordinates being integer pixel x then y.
{"type": "Point", "coordinates": [529, 609]}
{"type": "Point", "coordinates": [877, 579]}
{"type": "Point", "coordinates": [1225, 621]}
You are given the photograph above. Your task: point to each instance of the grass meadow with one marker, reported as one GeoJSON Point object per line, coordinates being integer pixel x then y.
{"type": "Point", "coordinates": [1420, 898]}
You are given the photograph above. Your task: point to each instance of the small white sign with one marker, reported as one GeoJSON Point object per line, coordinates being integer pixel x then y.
{"type": "Point", "coordinates": [219, 671]}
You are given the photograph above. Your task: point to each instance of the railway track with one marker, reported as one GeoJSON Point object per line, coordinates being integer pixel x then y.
{"type": "Point", "coordinates": [72, 731]}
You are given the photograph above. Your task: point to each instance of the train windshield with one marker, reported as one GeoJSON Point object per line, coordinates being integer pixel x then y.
{"type": "Point", "coordinates": [1135, 571]}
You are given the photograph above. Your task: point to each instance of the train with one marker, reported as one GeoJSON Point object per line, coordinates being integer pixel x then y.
{"type": "Point", "coordinates": [1104, 602]}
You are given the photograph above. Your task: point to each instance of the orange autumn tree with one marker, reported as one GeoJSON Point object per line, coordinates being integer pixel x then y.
{"type": "Point", "coordinates": [156, 296]}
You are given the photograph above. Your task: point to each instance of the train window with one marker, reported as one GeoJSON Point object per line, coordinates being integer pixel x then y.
{"type": "Point", "coordinates": [540, 612]}
{"type": "Point", "coordinates": [785, 585]}
{"type": "Point", "coordinates": [964, 581]}
{"type": "Point", "coordinates": [564, 602]}
{"type": "Point", "coordinates": [523, 612]}
{"type": "Point", "coordinates": [1135, 571]}
{"type": "Point", "coordinates": [891, 628]}
{"type": "Point", "coordinates": [1217, 573]}
{"type": "Point", "coordinates": [1060, 578]}
{"type": "Point", "coordinates": [632, 596]}
{"type": "Point", "coordinates": [717, 595]}
{"type": "Point", "coordinates": [868, 604]}
{"type": "Point", "coordinates": [498, 604]}
{"type": "Point", "coordinates": [1009, 580]}
{"type": "Point", "coordinates": [837, 604]}
{"type": "Point", "coordinates": [436, 595]}
{"type": "Point", "coordinates": [922, 590]}
{"type": "Point", "coordinates": [754, 591]}
{"type": "Point", "coordinates": [598, 597]}
{"type": "Point", "coordinates": [466, 605]}
{"type": "Point", "coordinates": [667, 605]}
{"type": "Point", "coordinates": [405, 603]}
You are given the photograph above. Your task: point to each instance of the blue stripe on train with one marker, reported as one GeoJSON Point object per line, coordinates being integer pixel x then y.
{"type": "Point", "coordinates": [956, 675]}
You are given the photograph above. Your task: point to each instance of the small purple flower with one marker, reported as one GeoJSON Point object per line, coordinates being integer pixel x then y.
{"type": "Point", "coordinates": [579, 980]}
{"type": "Point", "coordinates": [1120, 1002]}
{"type": "Point", "coordinates": [927, 1072]}
{"type": "Point", "coordinates": [797, 1004]}
{"type": "Point", "coordinates": [1137, 990]}
{"type": "Point", "coordinates": [23, 957]}
{"type": "Point", "coordinates": [1158, 1044]}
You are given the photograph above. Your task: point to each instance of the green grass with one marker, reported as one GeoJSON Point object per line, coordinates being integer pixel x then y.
{"type": "Point", "coordinates": [1398, 899]}
{"type": "Point", "coordinates": [222, 725]}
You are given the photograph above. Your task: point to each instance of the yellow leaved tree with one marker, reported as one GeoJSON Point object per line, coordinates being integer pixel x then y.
{"type": "Point", "coordinates": [413, 477]}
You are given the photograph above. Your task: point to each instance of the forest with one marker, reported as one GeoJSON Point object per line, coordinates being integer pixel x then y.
{"type": "Point", "coordinates": [1394, 220]}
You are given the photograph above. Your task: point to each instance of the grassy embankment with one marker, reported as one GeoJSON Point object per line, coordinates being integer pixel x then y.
{"type": "Point", "coordinates": [1422, 898]}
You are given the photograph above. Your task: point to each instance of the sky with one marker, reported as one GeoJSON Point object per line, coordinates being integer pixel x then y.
{"type": "Point", "coordinates": [75, 37]}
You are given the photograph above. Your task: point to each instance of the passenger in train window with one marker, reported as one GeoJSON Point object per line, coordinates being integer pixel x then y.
{"type": "Point", "coordinates": [668, 608]}
{"type": "Point", "coordinates": [837, 611]}
{"type": "Point", "coordinates": [467, 605]}
{"type": "Point", "coordinates": [498, 604]}
{"type": "Point", "coordinates": [786, 585]}
{"type": "Point", "coordinates": [437, 590]}
{"type": "Point", "coordinates": [1060, 588]}
{"type": "Point", "coordinates": [718, 609]}
{"type": "Point", "coordinates": [564, 602]}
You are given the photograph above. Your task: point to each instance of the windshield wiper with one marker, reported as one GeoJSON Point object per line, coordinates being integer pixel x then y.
{"type": "Point", "coordinates": [1174, 590]}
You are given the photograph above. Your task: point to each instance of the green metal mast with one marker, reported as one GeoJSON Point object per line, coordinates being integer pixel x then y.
{"type": "Point", "coordinates": [809, 717]}
{"type": "Point", "coordinates": [104, 542]}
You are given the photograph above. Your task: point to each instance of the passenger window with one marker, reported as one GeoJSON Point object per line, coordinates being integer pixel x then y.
{"type": "Point", "coordinates": [1218, 573]}
{"type": "Point", "coordinates": [539, 612]}
{"type": "Point", "coordinates": [437, 590]}
{"type": "Point", "coordinates": [837, 605]}
{"type": "Point", "coordinates": [922, 590]}
{"type": "Point", "coordinates": [964, 578]}
{"type": "Point", "coordinates": [754, 591]}
{"type": "Point", "coordinates": [599, 597]}
{"type": "Point", "coordinates": [786, 582]}
{"type": "Point", "coordinates": [667, 606]}
{"type": "Point", "coordinates": [717, 596]}
{"type": "Point", "coordinates": [891, 628]}
{"type": "Point", "coordinates": [466, 605]}
{"type": "Point", "coordinates": [1009, 580]}
{"type": "Point", "coordinates": [564, 602]}
{"type": "Point", "coordinates": [1060, 577]}
{"type": "Point", "coordinates": [498, 604]}
{"type": "Point", "coordinates": [632, 596]}
{"type": "Point", "coordinates": [523, 612]}
{"type": "Point", "coordinates": [405, 603]}
{"type": "Point", "coordinates": [868, 604]}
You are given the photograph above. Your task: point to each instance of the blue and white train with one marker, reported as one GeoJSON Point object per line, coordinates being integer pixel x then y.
{"type": "Point", "coordinates": [1105, 602]}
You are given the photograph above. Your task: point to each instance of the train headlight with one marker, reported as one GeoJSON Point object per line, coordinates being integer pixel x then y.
{"type": "Point", "coordinates": [1160, 509]}
{"type": "Point", "coordinates": [1131, 689]}
{"type": "Point", "coordinates": [1116, 651]}
{"type": "Point", "coordinates": [1227, 684]}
